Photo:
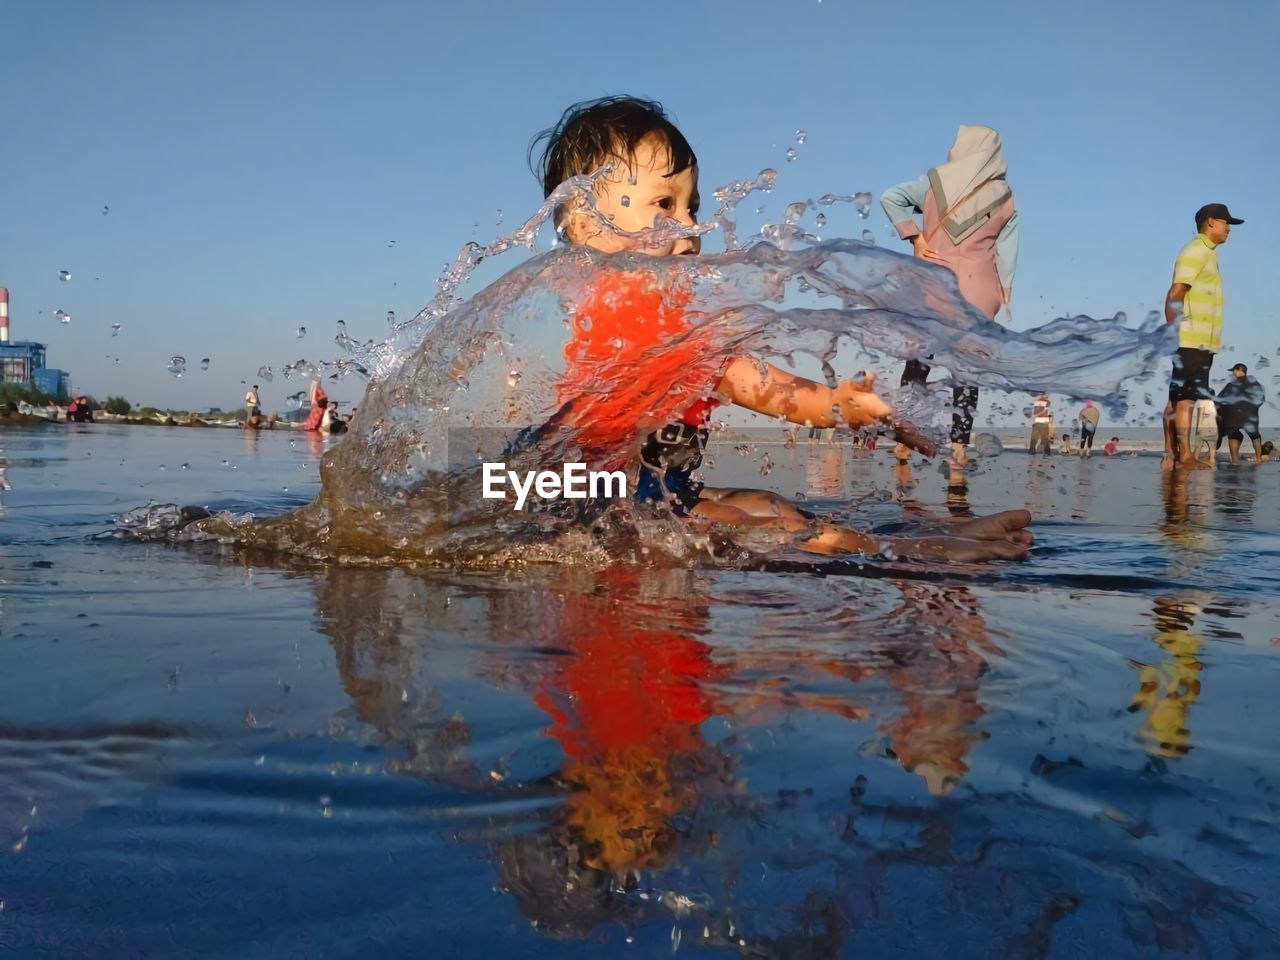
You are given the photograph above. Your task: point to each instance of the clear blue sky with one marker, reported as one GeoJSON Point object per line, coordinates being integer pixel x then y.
{"type": "Point", "coordinates": [257, 158]}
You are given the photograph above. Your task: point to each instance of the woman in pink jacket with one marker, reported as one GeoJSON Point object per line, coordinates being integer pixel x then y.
{"type": "Point", "coordinates": [970, 227]}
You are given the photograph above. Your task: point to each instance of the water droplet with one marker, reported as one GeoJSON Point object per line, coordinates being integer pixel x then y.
{"type": "Point", "coordinates": [391, 317]}
{"type": "Point", "coordinates": [186, 466]}
{"type": "Point", "coordinates": [626, 201]}
{"type": "Point", "coordinates": [760, 209]}
{"type": "Point", "coordinates": [105, 211]}
{"type": "Point", "coordinates": [302, 332]}
{"type": "Point", "coordinates": [820, 219]}
{"type": "Point", "coordinates": [499, 215]}
{"type": "Point", "coordinates": [177, 365]}
{"type": "Point", "coordinates": [801, 136]}
{"type": "Point", "coordinates": [204, 364]}
{"type": "Point", "coordinates": [790, 154]}
{"type": "Point", "coordinates": [62, 315]}
{"type": "Point", "coordinates": [868, 236]}
{"type": "Point", "coordinates": [285, 489]}
{"type": "Point", "coordinates": [265, 373]}
{"type": "Point", "coordinates": [64, 275]}
{"type": "Point", "coordinates": [390, 244]}
{"type": "Point", "coordinates": [862, 203]}
{"type": "Point", "coordinates": [1122, 317]}
{"type": "Point", "coordinates": [162, 466]}
{"type": "Point", "coordinates": [226, 463]}
{"type": "Point", "coordinates": [513, 378]}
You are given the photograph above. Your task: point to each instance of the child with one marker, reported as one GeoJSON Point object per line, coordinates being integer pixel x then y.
{"type": "Point", "coordinates": [637, 333]}
{"type": "Point", "coordinates": [1112, 446]}
{"type": "Point", "coordinates": [1065, 447]}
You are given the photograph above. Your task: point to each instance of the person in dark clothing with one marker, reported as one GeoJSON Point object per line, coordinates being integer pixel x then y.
{"type": "Point", "coordinates": [1238, 404]}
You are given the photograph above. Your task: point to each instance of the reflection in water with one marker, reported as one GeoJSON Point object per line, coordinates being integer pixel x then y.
{"type": "Point", "coordinates": [1188, 495]}
{"type": "Point", "coordinates": [1167, 690]}
{"type": "Point", "coordinates": [824, 471]}
{"type": "Point", "coordinates": [619, 663]}
{"type": "Point", "coordinates": [939, 672]}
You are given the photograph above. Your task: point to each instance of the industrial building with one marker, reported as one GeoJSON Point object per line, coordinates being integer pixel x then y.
{"type": "Point", "coordinates": [23, 361]}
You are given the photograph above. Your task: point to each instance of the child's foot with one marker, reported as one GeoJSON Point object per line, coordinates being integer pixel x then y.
{"type": "Point", "coordinates": [901, 452]}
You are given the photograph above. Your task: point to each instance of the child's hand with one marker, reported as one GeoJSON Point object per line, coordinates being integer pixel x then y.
{"type": "Point", "coordinates": [859, 406]}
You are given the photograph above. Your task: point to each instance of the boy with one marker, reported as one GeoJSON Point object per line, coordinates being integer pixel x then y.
{"type": "Point", "coordinates": [637, 334]}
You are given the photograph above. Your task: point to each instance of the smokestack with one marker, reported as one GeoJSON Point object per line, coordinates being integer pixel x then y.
{"type": "Point", "coordinates": [4, 314]}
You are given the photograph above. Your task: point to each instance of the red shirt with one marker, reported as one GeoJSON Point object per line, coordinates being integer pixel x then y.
{"type": "Point", "coordinates": [636, 361]}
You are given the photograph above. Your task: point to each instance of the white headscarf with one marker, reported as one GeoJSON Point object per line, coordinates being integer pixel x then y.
{"type": "Point", "coordinates": [971, 185]}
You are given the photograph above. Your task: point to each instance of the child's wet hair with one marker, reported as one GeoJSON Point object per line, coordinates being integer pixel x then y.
{"type": "Point", "coordinates": [594, 132]}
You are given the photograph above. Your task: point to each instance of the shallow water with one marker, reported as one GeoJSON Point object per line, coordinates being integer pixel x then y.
{"type": "Point", "coordinates": [207, 751]}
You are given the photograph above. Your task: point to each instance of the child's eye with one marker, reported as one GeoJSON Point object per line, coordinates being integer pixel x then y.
{"type": "Point", "coordinates": [664, 202]}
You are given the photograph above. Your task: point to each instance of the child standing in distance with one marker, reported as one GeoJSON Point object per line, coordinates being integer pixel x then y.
{"type": "Point", "coordinates": [628, 325]}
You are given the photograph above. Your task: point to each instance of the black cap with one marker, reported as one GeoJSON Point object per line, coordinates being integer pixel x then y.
{"type": "Point", "coordinates": [1215, 211]}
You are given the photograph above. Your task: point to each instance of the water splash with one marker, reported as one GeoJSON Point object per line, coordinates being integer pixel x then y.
{"type": "Point", "coordinates": [468, 379]}
{"type": "Point", "coordinates": [64, 275]}
{"type": "Point", "coordinates": [177, 365]}
{"type": "Point", "coordinates": [62, 316]}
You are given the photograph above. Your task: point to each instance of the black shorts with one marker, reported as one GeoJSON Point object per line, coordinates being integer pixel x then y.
{"type": "Point", "coordinates": [1237, 428]}
{"type": "Point", "coordinates": [668, 460]}
{"type": "Point", "coordinates": [1190, 379]}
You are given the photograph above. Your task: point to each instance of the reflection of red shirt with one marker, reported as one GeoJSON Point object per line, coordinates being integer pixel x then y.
{"type": "Point", "coordinates": [634, 362]}
{"type": "Point", "coordinates": [626, 686]}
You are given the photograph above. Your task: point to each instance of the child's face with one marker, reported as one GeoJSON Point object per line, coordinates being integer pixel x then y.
{"type": "Point", "coordinates": [633, 195]}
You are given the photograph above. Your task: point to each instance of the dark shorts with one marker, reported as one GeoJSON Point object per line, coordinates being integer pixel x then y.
{"type": "Point", "coordinates": [1190, 379]}
{"type": "Point", "coordinates": [668, 459]}
{"type": "Point", "coordinates": [1236, 429]}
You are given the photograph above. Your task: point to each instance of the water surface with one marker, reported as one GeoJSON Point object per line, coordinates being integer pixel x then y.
{"type": "Point", "coordinates": [209, 751]}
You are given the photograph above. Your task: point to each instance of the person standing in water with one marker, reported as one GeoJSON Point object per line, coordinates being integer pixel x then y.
{"type": "Point", "coordinates": [251, 408]}
{"type": "Point", "coordinates": [970, 227]}
{"type": "Point", "coordinates": [1194, 304]}
{"type": "Point", "coordinates": [1238, 404]}
{"type": "Point", "coordinates": [319, 406]}
{"type": "Point", "coordinates": [1041, 425]}
{"type": "Point", "coordinates": [1089, 417]}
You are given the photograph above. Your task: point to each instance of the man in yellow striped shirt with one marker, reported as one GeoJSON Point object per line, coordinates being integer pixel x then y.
{"type": "Point", "coordinates": [1194, 303]}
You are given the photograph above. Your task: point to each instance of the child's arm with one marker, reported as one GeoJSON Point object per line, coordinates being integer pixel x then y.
{"type": "Point", "coordinates": [766, 389]}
